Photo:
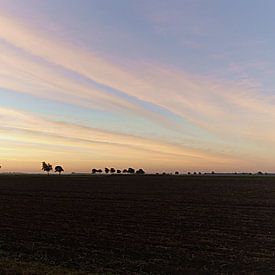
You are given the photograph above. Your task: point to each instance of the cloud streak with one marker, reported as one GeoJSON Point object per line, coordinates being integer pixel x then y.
{"type": "Point", "coordinates": [42, 65]}
{"type": "Point", "coordinates": [45, 135]}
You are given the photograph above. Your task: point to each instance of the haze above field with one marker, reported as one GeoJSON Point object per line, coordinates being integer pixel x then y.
{"type": "Point", "coordinates": [162, 85]}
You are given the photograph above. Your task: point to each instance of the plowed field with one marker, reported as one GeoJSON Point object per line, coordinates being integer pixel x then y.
{"type": "Point", "coordinates": [139, 224]}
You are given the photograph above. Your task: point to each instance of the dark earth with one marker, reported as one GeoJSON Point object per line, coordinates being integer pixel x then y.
{"type": "Point", "coordinates": [137, 224]}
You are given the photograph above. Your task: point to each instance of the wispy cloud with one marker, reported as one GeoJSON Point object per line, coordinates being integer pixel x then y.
{"type": "Point", "coordinates": [47, 136]}
{"type": "Point", "coordinates": [35, 62]}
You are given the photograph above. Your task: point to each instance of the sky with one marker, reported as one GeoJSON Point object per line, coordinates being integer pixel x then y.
{"type": "Point", "coordinates": [178, 85]}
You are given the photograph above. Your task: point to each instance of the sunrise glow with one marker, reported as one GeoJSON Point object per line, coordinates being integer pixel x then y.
{"type": "Point", "coordinates": [163, 85]}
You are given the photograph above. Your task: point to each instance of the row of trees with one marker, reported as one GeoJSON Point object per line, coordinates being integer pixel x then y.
{"type": "Point", "coordinates": [113, 171]}
{"type": "Point", "coordinates": [47, 167]}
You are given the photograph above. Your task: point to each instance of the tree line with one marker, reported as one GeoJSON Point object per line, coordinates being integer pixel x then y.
{"type": "Point", "coordinates": [118, 171]}
{"type": "Point", "coordinates": [47, 167]}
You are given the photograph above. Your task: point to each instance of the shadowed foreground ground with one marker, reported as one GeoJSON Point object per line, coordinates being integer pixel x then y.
{"type": "Point", "coordinates": [135, 224]}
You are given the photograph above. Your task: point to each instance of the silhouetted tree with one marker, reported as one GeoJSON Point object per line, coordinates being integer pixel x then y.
{"type": "Point", "coordinates": [99, 171]}
{"type": "Point", "coordinates": [107, 170]}
{"type": "Point", "coordinates": [176, 173]}
{"type": "Point", "coordinates": [189, 173]}
{"type": "Point", "coordinates": [112, 170]}
{"type": "Point", "coordinates": [140, 172]}
{"type": "Point", "coordinates": [125, 171]}
{"type": "Point", "coordinates": [212, 172]}
{"type": "Point", "coordinates": [260, 173]}
{"type": "Point", "coordinates": [131, 170]}
{"type": "Point", "coordinates": [118, 171]}
{"type": "Point", "coordinates": [94, 171]}
{"type": "Point", "coordinates": [47, 167]}
{"type": "Point", "coordinates": [58, 169]}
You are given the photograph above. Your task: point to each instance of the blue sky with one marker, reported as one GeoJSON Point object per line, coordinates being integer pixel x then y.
{"type": "Point", "coordinates": [166, 85]}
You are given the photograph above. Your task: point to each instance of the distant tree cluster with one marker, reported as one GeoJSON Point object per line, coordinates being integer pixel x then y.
{"type": "Point", "coordinates": [94, 171]}
{"type": "Point", "coordinates": [200, 173]}
{"type": "Point", "coordinates": [118, 171]}
{"type": "Point", "coordinates": [47, 167]}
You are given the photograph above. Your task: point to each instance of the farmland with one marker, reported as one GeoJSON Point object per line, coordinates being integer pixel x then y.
{"type": "Point", "coordinates": [137, 224]}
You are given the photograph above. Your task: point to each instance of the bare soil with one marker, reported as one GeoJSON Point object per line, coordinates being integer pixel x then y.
{"type": "Point", "coordinates": [138, 224]}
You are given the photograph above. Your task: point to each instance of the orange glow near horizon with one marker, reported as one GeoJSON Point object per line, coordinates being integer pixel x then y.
{"type": "Point", "coordinates": [66, 102]}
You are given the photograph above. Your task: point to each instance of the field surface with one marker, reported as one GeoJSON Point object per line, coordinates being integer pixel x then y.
{"type": "Point", "coordinates": [137, 224]}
